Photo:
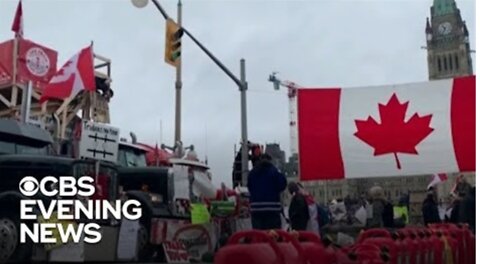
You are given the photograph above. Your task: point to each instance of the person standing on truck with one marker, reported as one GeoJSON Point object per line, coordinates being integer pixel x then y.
{"type": "Point", "coordinates": [265, 184]}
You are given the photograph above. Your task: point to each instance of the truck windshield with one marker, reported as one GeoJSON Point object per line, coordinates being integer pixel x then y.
{"type": "Point", "coordinates": [13, 172]}
{"type": "Point", "coordinates": [135, 159]}
{"type": "Point", "coordinates": [130, 157]}
{"type": "Point", "coordinates": [16, 148]}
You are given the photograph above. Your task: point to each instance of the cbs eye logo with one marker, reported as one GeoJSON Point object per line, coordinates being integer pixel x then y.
{"type": "Point", "coordinates": [29, 186]}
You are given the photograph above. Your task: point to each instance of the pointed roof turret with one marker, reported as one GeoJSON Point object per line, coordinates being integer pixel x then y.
{"type": "Point", "coordinates": [428, 28]}
{"type": "Point", "coordinates": [465, 30]}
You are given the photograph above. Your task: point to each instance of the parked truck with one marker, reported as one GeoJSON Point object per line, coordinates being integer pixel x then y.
{"type": "Point", "coordinates": [27, 150]}
{"type": "Point", "coordinates": [12, 169]}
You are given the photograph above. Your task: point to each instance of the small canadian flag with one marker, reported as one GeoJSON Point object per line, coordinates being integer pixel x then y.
{"type": "Point", "coordinates": [17, 25]}
{"type": "Point", "coordinates": [436, 179]}
{"type": "Point", "coordinates": [76, 75]}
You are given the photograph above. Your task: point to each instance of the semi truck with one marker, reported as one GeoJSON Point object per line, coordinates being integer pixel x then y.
{"type": "Point", "coordinates": [28, 150]}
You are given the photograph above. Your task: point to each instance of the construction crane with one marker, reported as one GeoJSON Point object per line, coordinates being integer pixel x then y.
{"type": "Point", "coordinates": [292, 99]}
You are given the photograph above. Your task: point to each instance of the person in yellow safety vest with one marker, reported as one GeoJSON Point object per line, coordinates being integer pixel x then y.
{"type": "Point", "coordinates": [400, 214]}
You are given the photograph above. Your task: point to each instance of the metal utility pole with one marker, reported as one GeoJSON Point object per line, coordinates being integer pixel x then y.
{"type": "Point", "coordinates": [242, 84]}
{"type": "Point", "coordinates": [243, 105]}
{"type": "Point", "coordinates": [26, 102]}
{"type": "Point", "coordinates": [178, 85]}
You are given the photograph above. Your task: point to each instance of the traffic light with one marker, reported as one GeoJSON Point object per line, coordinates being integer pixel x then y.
{"type": "Point", "coordinates": [173, 35]}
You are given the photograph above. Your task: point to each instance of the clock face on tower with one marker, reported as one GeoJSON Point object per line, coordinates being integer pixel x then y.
{"type": "Point", "coordinates": [445, 28]}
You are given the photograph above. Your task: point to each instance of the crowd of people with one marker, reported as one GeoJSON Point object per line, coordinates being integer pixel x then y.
{"type": "Point", "coordinates": [266, 185]}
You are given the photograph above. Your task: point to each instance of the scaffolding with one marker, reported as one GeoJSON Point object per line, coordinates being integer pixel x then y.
{"type": "Point", "coordinates": [57, 116]}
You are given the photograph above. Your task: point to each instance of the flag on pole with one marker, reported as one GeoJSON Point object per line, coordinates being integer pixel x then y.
{"type": "Point", "coordinates": [157, 158]}
{"type": "Point", "coordinates": [76, 75]}
{"type": "Point", "coordinates": [436, 179]}
{"type": "Point", "coordinates": [388, 130]}
{"type": "Point", "coordinates": [17, 25]}
{"type": "Point", "coordinates": [454, 190]}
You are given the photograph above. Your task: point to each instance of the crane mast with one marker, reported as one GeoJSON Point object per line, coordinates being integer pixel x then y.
{"type": "Point", "coordinates": [292, 101]}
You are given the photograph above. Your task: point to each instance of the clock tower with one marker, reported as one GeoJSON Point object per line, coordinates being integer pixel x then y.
{"type": "Point", "coordinates": [448, 45]}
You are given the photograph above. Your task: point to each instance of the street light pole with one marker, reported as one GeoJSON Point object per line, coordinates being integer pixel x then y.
{"type": "Point", "coordinates": [243, 105]}
{"type": "Point", "coordinates": [178, 85]}
{"type": "Point", "coordinates": [242, 84]}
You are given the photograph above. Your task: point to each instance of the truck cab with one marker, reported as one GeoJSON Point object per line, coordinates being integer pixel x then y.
{"type": "Point", "coordinates": [23, 138]}
{"type": "Point", "coordinates": [24, 151]}
{"type": "Point", "coordinates": [151, 186]}
{"type": "Point", "coordinates": [12, 170]}
{"type": "Point", "coordinates": [131, 155]}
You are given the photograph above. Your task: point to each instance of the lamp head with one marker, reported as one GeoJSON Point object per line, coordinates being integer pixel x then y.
{"type": "Point", "coordinates": [140, 3]}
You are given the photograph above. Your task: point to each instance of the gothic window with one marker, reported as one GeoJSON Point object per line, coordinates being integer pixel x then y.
{"type": "Point", "coordinates": [456, 62]}
{"type": "Point", "coordinates": [439, 62]}
{"type": "Point", "coordinates": [450, 64]}
{"type": "Point", "coordinates": [445, 63]}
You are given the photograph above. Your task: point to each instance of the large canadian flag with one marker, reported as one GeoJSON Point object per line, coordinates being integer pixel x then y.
{"type": "Point", "coordinates": [392, 130]}
{"type": "Point", "coordinates": [76, 75]}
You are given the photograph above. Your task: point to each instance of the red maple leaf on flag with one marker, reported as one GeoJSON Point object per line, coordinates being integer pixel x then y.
{"type": "Point", "coordinates": [393, 134]}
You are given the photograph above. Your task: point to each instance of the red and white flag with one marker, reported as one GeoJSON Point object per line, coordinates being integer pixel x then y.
{"type": "Point", "coordinates": [76, 75]}
{"type": "Point", "coordinates": [17, 25]}
{"type": "Point", "coordinates": [391, 130]}
{"type": "Point", "coordinates": [459, 178]}
{"type": "Point", "coordinates": [436, 179]}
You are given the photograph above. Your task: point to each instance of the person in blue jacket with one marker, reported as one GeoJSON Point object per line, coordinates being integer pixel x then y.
{"type": "Point", "coordinates": [265, 184]}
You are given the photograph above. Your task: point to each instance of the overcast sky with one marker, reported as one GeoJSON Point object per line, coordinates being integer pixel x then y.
{"type": "Point", "coordinates": [314, 43]}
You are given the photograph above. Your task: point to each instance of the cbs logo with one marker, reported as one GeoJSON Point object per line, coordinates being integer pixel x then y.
{"type": "Point", "coordinates": [52, 186]}
{"type": "Point", "coordinates": [28, 186]}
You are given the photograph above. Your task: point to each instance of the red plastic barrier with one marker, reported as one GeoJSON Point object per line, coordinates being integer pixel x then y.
{"type": "Point", "coordinates": [457, 234]}
{"type": "Point", "coordinates": [290, 248]}
{"type": "Point", "coordinates": [251, 247]}
{"type": "Point", "coordinates": [434, 247]}
{"type": "Point", "coordinates": [424, 249]}
{"type": "Point", "coordinates": [374, 232]}
{"type": "Point", "coordinates": [454, 245]}
{"type": "Point", "coordinates": [402, 246]}
{"type": "Point", "coordinates": [468, 248]}
{"type": "Point", "coordinates": [432, 244]}
{"type": "Point", "coordinates": [386, 243]}
{"type": "Point", "coordinates": [438, 244]}
{"type": "Point", "coordinates": [367, 254]}
{"type": "Point", "coordinates": [470, 241]}
{"type": "Point", "coordinates": [412, 246]}
{"type": "Point", "coordinates": [451, 246]}
{"type": "Point", "coordinates": [439, 254]}
{"type": "Point", "coordinates": [314, 250]}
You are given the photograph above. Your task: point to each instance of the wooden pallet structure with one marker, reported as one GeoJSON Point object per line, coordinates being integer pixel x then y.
{"type": "Point", "coordinates": [23, 61]}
